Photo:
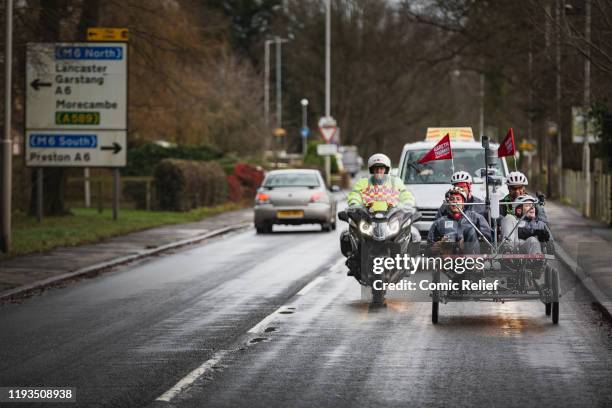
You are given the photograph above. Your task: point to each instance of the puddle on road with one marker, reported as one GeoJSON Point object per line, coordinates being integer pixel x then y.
{"type": "Point", "coordinates": [270, 329]}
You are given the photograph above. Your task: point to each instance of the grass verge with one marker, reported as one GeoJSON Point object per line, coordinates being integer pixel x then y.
{"type": "Point", "coordinates": [86, 225]}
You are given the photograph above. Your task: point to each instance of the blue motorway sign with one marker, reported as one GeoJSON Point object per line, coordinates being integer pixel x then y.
{"type": "Point", "coordinates": [79, 52]}
{"type": "Point", "coordinates": [55, 141]}
{"type": "Point", "coordinates": [305, 131]}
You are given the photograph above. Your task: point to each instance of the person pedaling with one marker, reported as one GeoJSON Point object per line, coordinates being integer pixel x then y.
{"type": "Point", "coordinates": [523, 230]}
{"type": "Point", "coordinates": [453, 233]}
{"type": "Point", "coordinates": [463, 180]}
{"type": "Point", "coordinates": [517, 183]}
{"type": "Point", "coordinates": [368, 191]}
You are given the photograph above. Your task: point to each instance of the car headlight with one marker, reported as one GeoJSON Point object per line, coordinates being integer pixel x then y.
{"type": "Point", "coordinates": [394, 227]}
{"type": "Point", "coordinates": [365, 228]}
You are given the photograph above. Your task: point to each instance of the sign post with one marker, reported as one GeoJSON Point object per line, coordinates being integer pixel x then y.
{"type": "Point", "coordinates": [328, 128]}
{"type": "Point", "coordinates": [76, 106]}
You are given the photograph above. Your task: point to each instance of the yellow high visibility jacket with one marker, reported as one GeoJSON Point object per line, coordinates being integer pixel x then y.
{"type": "Point", "coordinates": [393, 191]}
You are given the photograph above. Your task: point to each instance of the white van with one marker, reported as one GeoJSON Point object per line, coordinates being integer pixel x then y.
{"type": "Point", "coordinates": [429, 181]}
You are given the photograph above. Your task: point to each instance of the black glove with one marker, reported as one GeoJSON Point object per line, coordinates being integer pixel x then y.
{"type": "Point", "coordinates": [525, 232]}
{"type": "Point", "coordinates": [543, 235]}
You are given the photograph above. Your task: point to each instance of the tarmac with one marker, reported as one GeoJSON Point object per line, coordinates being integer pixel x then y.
{"type": "Point", "coordinates": [583, 245]}
{"type": "Point", "coordinates": [20, 276]}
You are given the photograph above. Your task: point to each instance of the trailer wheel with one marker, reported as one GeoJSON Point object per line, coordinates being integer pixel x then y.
{"type": "Point", "coordinates": [555, 312]}
{"type": "Point", "coordinates": [435, 298]}
{"type": "Point", "coordinates": [547, 308]}
{"type": "Point", "coordinates": [434, 312]}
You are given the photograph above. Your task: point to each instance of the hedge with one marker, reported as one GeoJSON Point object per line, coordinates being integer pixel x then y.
{"type": "Point", "coordinates": [182, 185]}
{"type": "Point", "coordinates": [141, 160]}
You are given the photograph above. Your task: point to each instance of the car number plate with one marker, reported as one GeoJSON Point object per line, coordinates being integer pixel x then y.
{"type": "Point", "coordinates": [290, 214]}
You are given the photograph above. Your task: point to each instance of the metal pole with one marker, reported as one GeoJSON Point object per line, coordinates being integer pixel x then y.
{"type": "Point", "coordinates": [328, 58]}
{"type": "Point", "coordinates": [559, 124]}
{"type": "Point", "coordinates": [482, 107]}
{"type": "Point", "coordinates": [39, 194]}
{"type": "Point", "coordinates": [530, 118]}
{"type": "Point", "coordinates": [279, 95]}
{"type": "Point", "coordinates": [87, 187]}
{"type": "Point", "coordinates": [587, 102]}
{"type": "Point", "coordinates": [115, 194]}
{"type": "Point", "coordinates": [267, 83]}
{"type": "Point", "coordinates": [304, 124]}
{"type": "Point", "coordinates": [547, 144]}
{"type": "Point", "coordinates": [7, 142]}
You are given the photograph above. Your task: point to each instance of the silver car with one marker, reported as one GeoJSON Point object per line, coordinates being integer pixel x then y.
{"type": "Point", "coordinates": [294, 197]}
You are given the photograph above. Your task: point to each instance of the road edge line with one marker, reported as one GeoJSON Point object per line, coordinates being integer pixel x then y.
{"type": "Point", "coordinates": [22, 291]}
{"type": "Point", "coordinates": [587, 282]}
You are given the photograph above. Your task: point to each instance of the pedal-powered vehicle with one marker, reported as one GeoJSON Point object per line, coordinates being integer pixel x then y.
{"type": "Point", "coordinates": [377, 231]}
{"type": "Point", "coordinates": [520, 276]}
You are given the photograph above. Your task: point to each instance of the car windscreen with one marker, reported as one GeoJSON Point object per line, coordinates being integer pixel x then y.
{"type": "Point", "coordinates": [440, 171]}
{"type": "Point", "coordinates": [292, 180]}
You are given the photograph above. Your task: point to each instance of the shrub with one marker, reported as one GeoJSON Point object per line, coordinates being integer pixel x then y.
{"type": "Point", "coordinates": [141, 160]}
{"type": "Point", "coordinates": [186, 184]}
{"type": "Point", "coordinates": [236, 192]}
{"type": "Point", "coordinates": [250, 178]}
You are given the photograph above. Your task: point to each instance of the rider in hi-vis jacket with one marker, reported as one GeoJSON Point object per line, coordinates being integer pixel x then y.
{"type": "Point", "coordinates": [380, 186]}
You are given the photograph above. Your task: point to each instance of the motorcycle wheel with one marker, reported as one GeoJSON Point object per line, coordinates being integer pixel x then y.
{"type": "Point", "coordinates": [378, 297]}
{"type": "Point", "coordinates": [555, 312]}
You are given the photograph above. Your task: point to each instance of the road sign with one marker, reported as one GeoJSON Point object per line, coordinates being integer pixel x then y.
{"type": "Point", "coordinates": [528, 147]}
{"type": "Point", "coordinates": [328, 128]}
{"type": "Point", "coordinates": [75, 148]}
{"type": "Point", "coordinates": [107, 34]}
{"type": "Point", "coordinates": [305, 132]}
{"type": "Point", "coordinates": [328, 133]}
{"type": "Point", "coordinates": [578, 119]}
{"type": "Point", "coordinates": [327, 149]}
{"type": "Point", "coordinates": [76, 86]}
{"type": "Point", "coordinates": [279, 132]}
{"type": "Point", "coordinates": [76, 104]}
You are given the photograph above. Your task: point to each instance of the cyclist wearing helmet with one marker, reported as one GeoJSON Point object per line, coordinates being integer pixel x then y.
{"type": "Point", "coordinates": [517, 183]}
{"type": "Point", "coordinates": [380, 186]}
{"type": "Point", "coordinates": [453, 231]}
{"type": "Point", "coordinates": [527, 235]}
{"type": "Point", "coordinates": [463, 180]}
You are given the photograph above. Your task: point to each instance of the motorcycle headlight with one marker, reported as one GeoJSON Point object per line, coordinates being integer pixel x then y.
{"type": "Point", "coordinates": [365, 228]}
{"type": "Point", "coordinates": [394, 227]}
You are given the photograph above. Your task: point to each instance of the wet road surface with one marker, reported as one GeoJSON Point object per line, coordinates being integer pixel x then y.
{"type": "Point", "coordinates": [272, 320]}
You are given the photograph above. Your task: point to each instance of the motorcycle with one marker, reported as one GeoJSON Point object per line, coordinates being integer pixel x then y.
{"type": "Point", "coordinates": [376, 231]}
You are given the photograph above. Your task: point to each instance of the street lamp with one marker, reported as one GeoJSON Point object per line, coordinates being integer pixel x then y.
{"type": "Point", "coordinates": [278, 41]}
{"type": "Point", "coordinates": [304, 103]}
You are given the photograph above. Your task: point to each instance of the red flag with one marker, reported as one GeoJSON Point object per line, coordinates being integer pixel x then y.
{"type": "Point", "coordinates": [441, 151]}
{"type": "Point", "coordinates": [506, 148]}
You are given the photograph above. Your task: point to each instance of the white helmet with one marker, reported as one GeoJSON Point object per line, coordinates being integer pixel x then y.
{"type": "Point", "coordinates": [455, 190]}
{"type": "Point", "coordinates": [461, 177]}
{"type": "Point", "coordinates": [379, 159]}
{"type": "Point", "coordinates": [520, 200]}
{"type": "Point", "coordinates": [516, 178]}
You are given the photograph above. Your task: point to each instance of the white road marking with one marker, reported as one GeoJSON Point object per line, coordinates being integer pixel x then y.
{"type": "Point", "coordinates": [311, 285]}
{"type": "Point", "coordinates": [258, 328]}
{"type": "Point", "coordinates": [192, 376]}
